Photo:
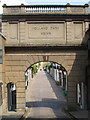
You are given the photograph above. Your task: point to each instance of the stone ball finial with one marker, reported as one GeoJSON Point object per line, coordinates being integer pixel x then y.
{"type": "Point", "coordinates": [4, 5]}
{"type": "Point", "coordinates": [22, 4]}
{"type": "Point", "coordinates": [68, 4]}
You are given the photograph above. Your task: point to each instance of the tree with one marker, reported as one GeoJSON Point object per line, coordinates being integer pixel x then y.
{"type": "Point", "coordinates": [34, 69]}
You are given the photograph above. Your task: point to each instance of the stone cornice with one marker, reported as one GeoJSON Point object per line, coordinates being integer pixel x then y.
{"type": "Point", "coordinates": [10, 49]}
{"type": "Point", "coordinates": [67, 5]}
{"type": "Point", "coordinates": [45, 17]}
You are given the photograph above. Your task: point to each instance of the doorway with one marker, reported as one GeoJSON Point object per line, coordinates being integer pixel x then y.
{"type": "Point", "coordinates": [11, 88]}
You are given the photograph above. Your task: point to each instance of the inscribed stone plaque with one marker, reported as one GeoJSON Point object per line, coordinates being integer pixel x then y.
{"type": "Point", "coordinates": [46, 31]}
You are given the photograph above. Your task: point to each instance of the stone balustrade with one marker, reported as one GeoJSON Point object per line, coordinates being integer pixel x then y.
{"type": "Point", "coordinates": [40, 9]}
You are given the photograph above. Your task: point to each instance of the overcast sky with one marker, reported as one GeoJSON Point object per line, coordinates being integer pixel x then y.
{"type": "Point", "coordinates": [28, 2]}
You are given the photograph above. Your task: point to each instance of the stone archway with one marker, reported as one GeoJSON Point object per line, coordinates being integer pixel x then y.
{"type": "Point", "coordinates": [17, 63]}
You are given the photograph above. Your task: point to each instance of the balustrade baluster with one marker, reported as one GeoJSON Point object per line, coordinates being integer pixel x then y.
{"type": "Point", "coordinates": [45, 9]}
{"type": "Point", "coordinates": [37, 9]}
{"type": "Point", "coordinates": [58, 9]}
{"type": "Point", "coordinates": [55, 9]}
{"type": "Point", "coordinates": [42, 9]}
{"type": "Point", "coordinates": [48, 9]}
{"type": "Point", "coordinates": [31, 9]}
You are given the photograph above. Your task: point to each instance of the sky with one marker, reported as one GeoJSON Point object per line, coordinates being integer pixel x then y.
{"type": "Point", "coordinates": [40, 2]}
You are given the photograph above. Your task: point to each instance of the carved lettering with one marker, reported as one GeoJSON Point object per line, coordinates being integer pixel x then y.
{"type": "Point", "coordinates": [45, 33]}
{"type": "Point", "coordinates": [40, 28]}
{"type": "Point", "coordinates": [54, 28]}
{"type": "Point", "coordinates": [46, 28]}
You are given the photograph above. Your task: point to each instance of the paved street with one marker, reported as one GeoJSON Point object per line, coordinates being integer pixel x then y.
{"type": "Point", "coordinates": [44, 98]}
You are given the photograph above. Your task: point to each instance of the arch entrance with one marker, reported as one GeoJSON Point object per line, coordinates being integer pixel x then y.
{"type": "Point", "coordinates": [55, 70]}
{"type": "Point", "coordinates": [46, 89]}
{"type": "Point", "coordinates": [17, 63]}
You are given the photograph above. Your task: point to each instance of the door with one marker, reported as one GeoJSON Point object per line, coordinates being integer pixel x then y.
{"type": "Point", "coordinates": [11, 96]}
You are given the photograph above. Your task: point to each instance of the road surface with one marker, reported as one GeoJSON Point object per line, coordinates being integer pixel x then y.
{"type": "Point", "coordinates": [44, 99]}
